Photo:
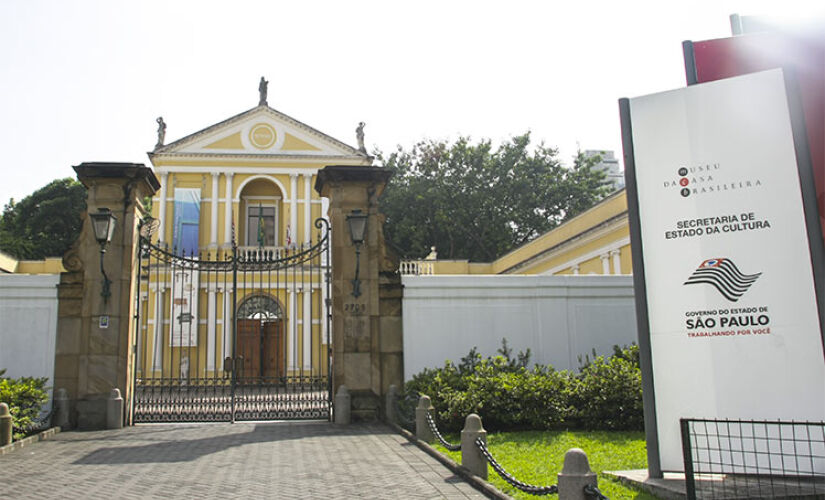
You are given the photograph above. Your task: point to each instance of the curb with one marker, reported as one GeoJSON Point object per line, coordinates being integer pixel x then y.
{"type": "Point", "coordinates": [40, 436]}
{"type": "Point", "coordinates": [656, 487]}
{"type": "Point", "coordinates": [484, 487]}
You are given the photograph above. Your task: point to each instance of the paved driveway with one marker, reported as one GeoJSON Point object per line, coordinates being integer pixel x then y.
{"type": "Point", "coordinates": [244, 460]}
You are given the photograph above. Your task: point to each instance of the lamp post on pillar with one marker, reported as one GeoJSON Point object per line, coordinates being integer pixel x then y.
{"type": "Point", "coordinates": [94, 351]}
{"type": "Point", "coordinates": [357, 222]}
{"type": "Point", "coordinates": [103, 223]}
{"type": "Point", "coordinates": [365, 347]}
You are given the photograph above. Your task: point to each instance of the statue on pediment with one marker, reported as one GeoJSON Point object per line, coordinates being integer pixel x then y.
{"type": "Point", "coordinates": [359, 135]}
{"type": "Point", "coordinates": [262, 90]}
{"type": "Point", "coordinates": [161, 132]}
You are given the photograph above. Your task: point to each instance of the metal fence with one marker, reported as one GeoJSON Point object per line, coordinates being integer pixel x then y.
{"type": "Point", "coordinates": [233, 335]}
{"type": "Point", "coordinates": [753, 459]}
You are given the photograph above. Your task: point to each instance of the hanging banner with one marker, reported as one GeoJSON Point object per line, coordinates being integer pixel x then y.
{"type": "Point", "coordinates": [184, 318]}
{"type": "Point", "coordinates": [186, 234]}
{"type": "Point", "coordinates": [727, 257]}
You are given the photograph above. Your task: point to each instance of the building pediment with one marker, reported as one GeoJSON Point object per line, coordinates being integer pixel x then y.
{"type": "Point", "coordinates": [259, 132]}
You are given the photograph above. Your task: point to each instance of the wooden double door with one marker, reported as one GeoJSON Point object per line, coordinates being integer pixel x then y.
{"type": "Point", "coordinates": [260, 349]}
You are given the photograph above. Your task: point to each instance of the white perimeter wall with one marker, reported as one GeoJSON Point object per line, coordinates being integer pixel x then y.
{"type": "Point", "coordinates": [557, 317]}
{"type": "Point", "coordinates": [28, 324]}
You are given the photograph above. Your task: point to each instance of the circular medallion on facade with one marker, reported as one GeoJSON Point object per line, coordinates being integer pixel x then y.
{"type": "Point", "coordinates": [262, 135]}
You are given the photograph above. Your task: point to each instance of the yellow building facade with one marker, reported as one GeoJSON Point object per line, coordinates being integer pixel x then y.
{"type": "Point", "coordinates": [49, 265]}
{"type": "Point", "coordinates": [597, 241]}
{"type": "Point", "coordinates": [233, 280]}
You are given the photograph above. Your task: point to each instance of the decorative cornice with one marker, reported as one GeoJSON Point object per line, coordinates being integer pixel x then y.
{"type": "Point", "coordinates": [249, 156]}
{"type": "Point", "coordinates": [590, 234]}
{"type": "Point", "coordinates": [134, 171]}
{"type": "Point", "coordinates": [241, 116]}
{"type": "Point", "coordinates": [351, 173]}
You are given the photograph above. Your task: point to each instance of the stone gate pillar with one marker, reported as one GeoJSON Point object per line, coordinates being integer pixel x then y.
{"type": "Point", "coordinates": [366, 330]}
{"type": "Point", "coordinates": [95, 337]}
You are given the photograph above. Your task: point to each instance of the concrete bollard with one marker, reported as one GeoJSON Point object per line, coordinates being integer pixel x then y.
{"type": "Point", "coordinates": [574, 475]}
{"type": "Point", "coordinates": [343, 406]}
{"type": "Point", "coordinates": [61, 409]}
{"type": "Point", "coordinates": [114, 410]}
{"type": "Point", "coordinates": [422, 428]}
{"type": "Point", "coordinates": [391, 405]}
{"type": "Point", "coordinates": [471, 457]}
{"type": "Point", "coordinates": [5, 425]}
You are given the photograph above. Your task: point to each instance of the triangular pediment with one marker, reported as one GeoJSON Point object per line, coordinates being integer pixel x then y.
{"type": "Point", "coordinates": [261, 131]}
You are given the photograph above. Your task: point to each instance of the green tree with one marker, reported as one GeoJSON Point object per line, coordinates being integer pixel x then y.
{"type": "Point", "coordinates": [474, 202]}
{"type": "Point", "coordinates": [45, 223]}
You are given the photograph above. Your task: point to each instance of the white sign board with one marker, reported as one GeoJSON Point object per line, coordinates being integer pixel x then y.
{"type": "Point", "coordinates": [734, 327]}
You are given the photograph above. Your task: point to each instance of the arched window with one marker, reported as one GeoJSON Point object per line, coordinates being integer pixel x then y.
{"type": "Point", "coordinates": [260, 307]}
{"type": "Point", "coordinates": [260, 210]}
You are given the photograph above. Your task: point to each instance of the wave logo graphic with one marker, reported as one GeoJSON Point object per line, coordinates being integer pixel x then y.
{"type": "Point", "coordinates": [723, 274]}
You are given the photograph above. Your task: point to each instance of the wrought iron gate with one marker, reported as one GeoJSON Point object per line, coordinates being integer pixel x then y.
{"type": "Point", "coordinates": [240, 334]}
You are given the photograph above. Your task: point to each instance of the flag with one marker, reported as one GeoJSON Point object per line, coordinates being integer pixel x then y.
{"type": "Point", "coordinates": [723, 275]}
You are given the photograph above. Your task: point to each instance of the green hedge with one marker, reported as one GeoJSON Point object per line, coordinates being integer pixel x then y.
{"type": "Point", "coordinates": [24, 396]}
{"type": "Point", "coordinates": [606, 394]}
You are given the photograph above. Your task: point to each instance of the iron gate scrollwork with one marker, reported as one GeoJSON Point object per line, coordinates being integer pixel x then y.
{"type": "Point", "coordinates": [235, 334]}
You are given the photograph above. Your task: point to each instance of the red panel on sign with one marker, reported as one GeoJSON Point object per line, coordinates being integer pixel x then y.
{"type": "Point", "coordinates": [803, 53]}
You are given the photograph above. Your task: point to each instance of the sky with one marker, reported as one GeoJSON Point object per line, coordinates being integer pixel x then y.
{"type": "Point", "coordinates": [85, 80]}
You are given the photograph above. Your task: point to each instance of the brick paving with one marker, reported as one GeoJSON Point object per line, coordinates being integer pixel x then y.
{"type": "Point", "coordinates": [242, 460]}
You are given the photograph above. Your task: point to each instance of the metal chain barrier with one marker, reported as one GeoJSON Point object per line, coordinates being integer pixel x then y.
{"type": "Point", "coordinates": [527, 488]}
{"type": "Point", "coordinates": [444, 442]}
{"type": "Point", "coordinates": [42, 422]}
{"type": "Point", "coordinates": [594, 491]}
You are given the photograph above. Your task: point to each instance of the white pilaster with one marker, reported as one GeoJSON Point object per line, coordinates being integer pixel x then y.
{"type": "Point", "coordinates": [157, 334]}
{"type": "Point", "coordinates": [162, 208]}
{"type": "Point", "coordinates": [307, 347]}
{"type": "Point", "coordinates": [211, 320]}
{"type": "Point", "coordinates": [227, 233]}
{"type": "Point", "coordinates": [617, 261]}
{"type": "Point", "coordinates": [324, 310]}
{"type": "Point", "coordinates": [227, 323]}
{"type": "Point", "coordinates": [293, 207]}
{"type": "Point", "coordinates": [307, 209]}
{"type": "Point", "coordinates": [141, 349]}
{"type": "Point", "coordinates": [291, 328]}
{"type": "Point", "coordinates": [605, 263]}
{"type": "Point", "coordinates": [213, 230]}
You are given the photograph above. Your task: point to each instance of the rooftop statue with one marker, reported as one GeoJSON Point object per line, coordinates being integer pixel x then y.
{"type": "Point", "coordinates": [161, 132]}
{"type": "Point", "coordinates": [262, 91]}
{"type": "Point", "coordinates": [359, 135]}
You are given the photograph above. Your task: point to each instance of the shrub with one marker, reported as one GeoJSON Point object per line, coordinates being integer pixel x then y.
{"type": "Point", "coordinates": [606, 394]}
{"type": "Point", "coordinates": [520, 399]}
{"type": "Point", "coordinates": [24, 396]}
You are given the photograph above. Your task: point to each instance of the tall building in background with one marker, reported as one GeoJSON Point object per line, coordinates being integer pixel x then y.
{"type": "Point", "coordinates": [609, 165]}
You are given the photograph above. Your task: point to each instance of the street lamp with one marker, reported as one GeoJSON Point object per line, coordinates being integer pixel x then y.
{"type": "Point", "coordinates": [357, 221]}
{"type": "Point", "coordinates": [103, 223]}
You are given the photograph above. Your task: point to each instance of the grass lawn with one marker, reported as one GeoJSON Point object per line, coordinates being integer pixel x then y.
{"type": "Point", "coordinates": [536, 457]}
